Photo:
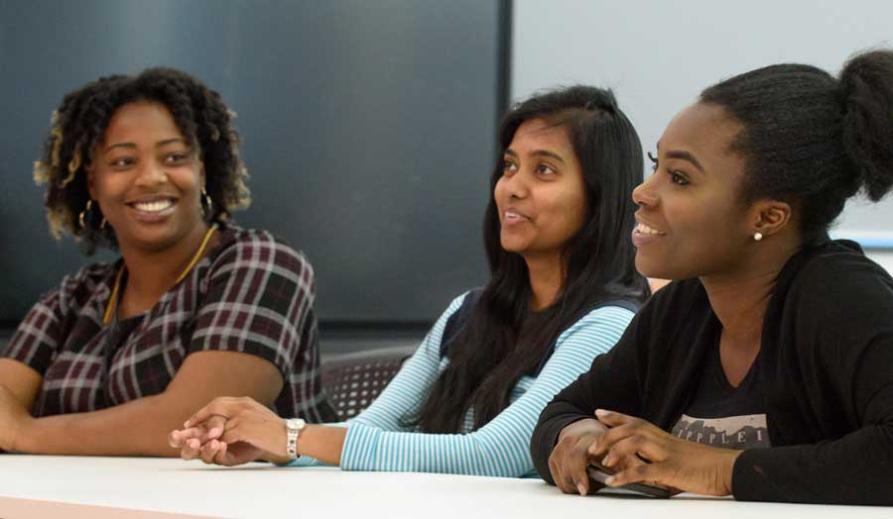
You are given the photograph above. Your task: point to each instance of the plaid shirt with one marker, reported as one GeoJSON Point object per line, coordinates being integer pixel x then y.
{"type": "Point", "coordinates": [250, 294]}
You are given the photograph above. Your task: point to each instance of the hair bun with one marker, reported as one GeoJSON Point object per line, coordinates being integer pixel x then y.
{"type": "Point", "coordinates": [866, 84]}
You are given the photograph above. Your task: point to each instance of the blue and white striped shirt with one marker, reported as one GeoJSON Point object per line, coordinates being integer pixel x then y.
{"type": "Point", "coordinates": [376, 440]}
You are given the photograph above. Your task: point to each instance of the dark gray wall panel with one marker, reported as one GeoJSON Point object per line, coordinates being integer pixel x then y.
{"type": "Point", "coordinates": [369, 132]}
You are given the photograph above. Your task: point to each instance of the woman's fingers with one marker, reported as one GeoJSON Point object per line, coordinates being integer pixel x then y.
{"type": "Point", "coordinates": [556, 470]}
{"type": "Point", "coordinates": [638, 445]}
{"type": "Point", "coordinates": [613, 418]}
{"type": "Point", "coordinates": [177, 438]}
{"type": "Point", "coordinates": [221, 406]}
{"type": "Point", "coordinates": [568, 482]}
{"type": "Point", "coordinates": [644, 473]}
{"type": "Point", "coordinates": [209, 430]}
{"type": "Point", "coordinates": [580, 477]}
{"type": "Point", "coordinates": [209, 450]}
{"type": "Point", "coordinates": [214, 427]}
{"type": "Point", "coordinates": [621, 428]}
{"type": "Point", "coordinates": [558, 461]}
{"type": "Point", "coordinates": [572, 477]}
{"type": "Point", "coordinates": [569, 463]}
{"type": "Point", "coordinates": [190, 450]}
{"type": "Point", "coordinates": [221, 457]}
{"type": "Point", "coordinates": [600, 447]}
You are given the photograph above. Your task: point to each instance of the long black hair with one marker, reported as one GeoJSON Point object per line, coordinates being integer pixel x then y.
{"type": "Point", "coordinates": [810, 139]}
{"type": "Point", "coordinates": [485, 358]}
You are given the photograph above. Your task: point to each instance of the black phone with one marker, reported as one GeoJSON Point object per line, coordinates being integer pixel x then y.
{"type": "Point", "coordinates": [599, 474]}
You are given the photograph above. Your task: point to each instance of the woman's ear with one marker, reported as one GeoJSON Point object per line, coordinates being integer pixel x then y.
{"type": "Point", "coordinates": [769, 217]}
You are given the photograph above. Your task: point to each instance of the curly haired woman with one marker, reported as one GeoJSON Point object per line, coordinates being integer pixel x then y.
{"type": "Point", "coordinates": [195, 307]}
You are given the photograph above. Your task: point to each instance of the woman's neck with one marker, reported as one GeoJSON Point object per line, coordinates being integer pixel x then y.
{"type": "Point", "coordinates": [740, 298]}
{"type": "Point", "coordinates": [546, 276]}
{"type": "Point", "coordinates": [152, 273]}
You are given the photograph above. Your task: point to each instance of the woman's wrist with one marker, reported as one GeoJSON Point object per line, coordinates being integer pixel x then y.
{"type": "Point", "coordinates": [322, 442]}
{"type": "Point", "coordinates": [728, 469]}
{"type": "Point", "coordinates": [278, 445]}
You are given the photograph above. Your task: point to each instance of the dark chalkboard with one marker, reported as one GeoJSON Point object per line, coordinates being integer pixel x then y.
{"type": "Point", "coordinates": [369, 131]}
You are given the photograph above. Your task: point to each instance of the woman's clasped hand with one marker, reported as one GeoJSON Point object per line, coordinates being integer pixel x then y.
{"type": "Point", "coordinates": [231, 431]}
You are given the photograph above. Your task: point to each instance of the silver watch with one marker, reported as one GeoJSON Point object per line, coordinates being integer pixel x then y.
{"type": "Point", "coordinates": [293, 428]}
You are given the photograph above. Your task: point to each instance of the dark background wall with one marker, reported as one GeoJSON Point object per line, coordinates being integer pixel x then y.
{"type": "Point", "coordinates": [369, 132]}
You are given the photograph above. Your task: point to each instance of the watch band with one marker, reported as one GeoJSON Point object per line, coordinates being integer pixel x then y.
{"type": "Point", "coordinates": [293, 428]}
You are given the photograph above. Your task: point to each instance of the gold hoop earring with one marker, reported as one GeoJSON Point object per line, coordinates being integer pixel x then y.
{"type": "Point", "coordinates": [207, 203]}
{"type": "Point", "coordinates": [82, 216]}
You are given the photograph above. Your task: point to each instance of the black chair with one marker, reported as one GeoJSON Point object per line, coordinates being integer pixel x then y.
{"type": "Point", "coordinates": [354, 381]}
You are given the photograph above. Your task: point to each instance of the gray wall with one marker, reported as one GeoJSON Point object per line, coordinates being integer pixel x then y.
{"type": "Point", "coordinates": [369, 132]}
{"type": "Point", "coordinates": [659, 55]}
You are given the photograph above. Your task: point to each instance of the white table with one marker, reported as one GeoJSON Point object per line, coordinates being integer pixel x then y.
{"type": "Point", "coordinates": [260, 490]}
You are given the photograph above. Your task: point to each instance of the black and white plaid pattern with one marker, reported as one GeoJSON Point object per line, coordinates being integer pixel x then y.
{"type": "Point", "coordinates": [251, 294]}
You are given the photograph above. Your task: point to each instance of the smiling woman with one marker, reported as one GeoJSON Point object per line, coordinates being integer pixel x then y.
{"type": "Point", "coordinates": [146, 179]}
{"type": "Point", "coordinates": [562, 289]}
{"type": "Point", "coordinates": [765, 369]}
{"type": "Point", "coordinates": [195, 308]}
{"type": "Point", "coordinates": [543, 206]}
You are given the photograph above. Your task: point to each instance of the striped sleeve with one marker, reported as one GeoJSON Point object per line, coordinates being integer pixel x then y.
{"type": "Point", "coordinates": [500, 448]}
{"type": "Point", "coordinates": [407, 391]}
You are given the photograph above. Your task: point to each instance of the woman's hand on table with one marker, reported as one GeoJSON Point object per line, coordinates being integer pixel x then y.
{"type": "Point", "coordinates": [231, 431]}
{"type": "Point", "coordinates": [574, 451]}
{"type": "Point", "coordinates": [569, 460]}
{"type": "Point", "coordinates": [668, 461]}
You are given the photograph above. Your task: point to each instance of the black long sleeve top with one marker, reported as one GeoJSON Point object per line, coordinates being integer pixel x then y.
{"type": "Point", "coordinates": [827, 356]}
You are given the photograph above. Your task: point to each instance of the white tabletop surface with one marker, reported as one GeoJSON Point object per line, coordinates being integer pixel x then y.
{"type": "Point", "coordinates": [261, 490]}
